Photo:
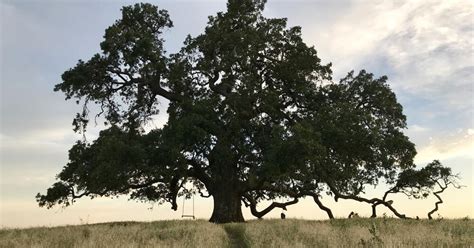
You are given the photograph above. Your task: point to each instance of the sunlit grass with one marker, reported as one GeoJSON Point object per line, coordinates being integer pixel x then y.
{"type": "Point", "coordinates": [258, 233]}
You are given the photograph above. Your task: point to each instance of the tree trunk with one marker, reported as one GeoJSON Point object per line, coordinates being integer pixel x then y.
{"type": "Point", "coordinates": [227, 207]}
{"type": "Point", "coordinates": [225, 189]}
{"type": "Point", "coordinates": [374, 210]}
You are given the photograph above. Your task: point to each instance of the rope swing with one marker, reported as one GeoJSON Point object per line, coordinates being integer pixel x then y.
{"type": "Point", "coordinates": [187, 215]}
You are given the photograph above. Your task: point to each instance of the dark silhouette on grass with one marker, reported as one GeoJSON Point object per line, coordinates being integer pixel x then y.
{"type": "Point", "coordinates": [253, 115]}
{"type": "Point", "coordinates": [352, 215]}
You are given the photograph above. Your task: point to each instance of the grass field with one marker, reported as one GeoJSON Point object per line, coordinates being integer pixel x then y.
{"type": "Point", "coordinates": [258, 233]}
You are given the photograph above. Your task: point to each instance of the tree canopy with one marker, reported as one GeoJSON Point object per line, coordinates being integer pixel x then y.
{"type": "Point", "coordinates": [254, 115]}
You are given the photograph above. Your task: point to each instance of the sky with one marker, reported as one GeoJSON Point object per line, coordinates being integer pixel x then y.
{"type": "Point", "coordinates": [425, 48]}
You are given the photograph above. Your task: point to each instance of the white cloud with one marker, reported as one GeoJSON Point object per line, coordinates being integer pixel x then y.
{"type": "Point", "coordinates": [449, 146]}
{"type": "Point", "coordinates": [426, 49]}
{"type": "Point", "coordinates": [418, 129]}
{"type": "Point", "coordinates": [470, 131]}
{"type": "Point", "coordinates": [424, 46]}
{"type": "Point", "coordinates": [432, 53]}
{"type": "Point", "coordinates": [53, 138]}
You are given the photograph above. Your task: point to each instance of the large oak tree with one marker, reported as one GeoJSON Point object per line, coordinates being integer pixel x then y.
{"type": "Point", "coordinates": [253, 115]}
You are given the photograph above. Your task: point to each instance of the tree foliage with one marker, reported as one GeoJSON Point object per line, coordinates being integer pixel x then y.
{"type": "Point", "coordinates": [253, 115]}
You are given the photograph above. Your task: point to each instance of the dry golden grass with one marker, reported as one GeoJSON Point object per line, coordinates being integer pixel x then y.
{"type": "Point", "coordinates": [121, 234]}
{"type": "Point", "coordinates": [259, 233]}
{"type": "Point", "coordinates": [361, 233]}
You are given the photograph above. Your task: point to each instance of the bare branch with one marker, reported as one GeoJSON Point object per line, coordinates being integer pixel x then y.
{"type": "Point", "coordinates": [321, 206]}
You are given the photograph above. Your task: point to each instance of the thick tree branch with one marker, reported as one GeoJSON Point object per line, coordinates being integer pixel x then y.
{"type": "Point", "coordinates": [440, 201]}
{"type": "Point", "coordinates": [320, 205]}
{"type": "Point", "coordinates": [155, 87]}
{"type": "Point", "coordinates": [252, 203]}
{"type": "Point", "coordinates": [198, 172]}
{"type": "Point", "coordinates": [384, 199]}
{"type": "Point", "coordinates": [158, 90]}
{"type": "Point", "coordinates": [86, 193]}
{"type": "Point", "coordinates": [143, 185]}
{"type": "Point", "coordinates": [370, 201]}
{"type": "Point", "coordinates": [212, 83]}
{"type": "Point", "coordinates": [174, 189]}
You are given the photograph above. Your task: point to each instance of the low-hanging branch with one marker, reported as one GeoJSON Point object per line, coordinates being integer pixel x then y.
{"type": "Point", "coordinates": [252, 203]}
{"type": "Point", "coordinates": [384, 199]}
{"type": "Point", "coordinates": [338, 195]}
{"type": "Point", "coordinates": [321, 205]}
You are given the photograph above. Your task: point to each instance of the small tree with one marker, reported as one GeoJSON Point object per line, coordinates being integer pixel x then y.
{"type": "Point", "coordinates": [253, 115]}
{"type": "Point", "coordinates": [413, 183]}
{"type": "Point", "coordinates": [421, 183]}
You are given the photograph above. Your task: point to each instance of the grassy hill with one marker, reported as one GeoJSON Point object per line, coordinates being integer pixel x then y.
{"type": "Point", "coordinates": [258, 233]}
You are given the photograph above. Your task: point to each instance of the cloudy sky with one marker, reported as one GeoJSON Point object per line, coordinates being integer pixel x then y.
{"type": "Point", "coordinates": [425, 48]}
